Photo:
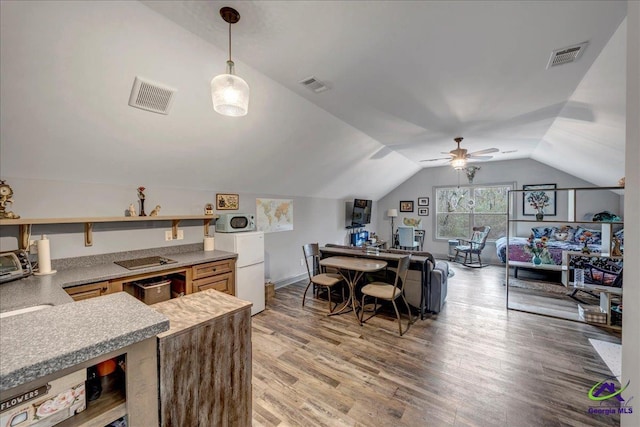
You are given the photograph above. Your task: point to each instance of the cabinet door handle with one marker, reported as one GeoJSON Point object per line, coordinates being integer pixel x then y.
{"type": "Point", "coordinates": [104, 289]}
{"type": "Point", "coordinates": [214, 268]}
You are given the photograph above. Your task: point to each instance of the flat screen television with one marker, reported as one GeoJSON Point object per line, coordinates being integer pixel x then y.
{"type": "Point", "coordinates": [361, 213]}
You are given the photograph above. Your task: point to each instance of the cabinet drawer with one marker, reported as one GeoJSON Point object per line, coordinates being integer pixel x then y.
{"type": "Point", "coordinates": [213, 268]}
{"type": "Point", "coordinates": [219, 282]}
{"type": "Point", "coordinates": [88, 291]}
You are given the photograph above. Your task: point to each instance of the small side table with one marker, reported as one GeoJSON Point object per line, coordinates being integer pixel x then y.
{"type": "Point", "coordinates": [452, 248]}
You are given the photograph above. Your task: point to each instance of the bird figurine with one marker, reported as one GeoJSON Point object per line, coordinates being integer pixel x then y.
{"type": "Point", "coordinates": [156, 211]}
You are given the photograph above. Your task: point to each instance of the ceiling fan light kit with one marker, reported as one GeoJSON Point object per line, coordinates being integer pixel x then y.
{"type": "Point", "coordinates": [230, 93]}
{"type": "Point", "coordinates": [459, 163]}
{"type": "Point", "coordinates": [459, 156]}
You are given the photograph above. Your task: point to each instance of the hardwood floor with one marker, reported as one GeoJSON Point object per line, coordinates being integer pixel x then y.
{"type": "Point", "coordinates": [473, 364]}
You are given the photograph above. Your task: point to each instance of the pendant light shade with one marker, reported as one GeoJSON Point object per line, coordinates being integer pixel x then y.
{"type": "Point", "coordinates": [230, 93]}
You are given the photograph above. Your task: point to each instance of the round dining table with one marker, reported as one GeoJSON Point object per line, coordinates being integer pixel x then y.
{"type": "Point", "coordinates": [352, 269]}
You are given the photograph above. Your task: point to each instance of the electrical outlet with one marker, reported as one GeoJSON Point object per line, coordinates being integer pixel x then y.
{"type": "Point", "coordinates": [168, 235]}
{"type": "Point", "coordinates": [33, 247]}
{"type": "Point", "coordinates": [180, 235]}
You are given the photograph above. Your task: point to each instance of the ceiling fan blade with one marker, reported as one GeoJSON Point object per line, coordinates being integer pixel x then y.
{"type": "Point", "coordinates": [434, 160]}
{"type": "Point", "coordinates": [480, 157]}
{"type": "Point", "coordinates": [485, 151]}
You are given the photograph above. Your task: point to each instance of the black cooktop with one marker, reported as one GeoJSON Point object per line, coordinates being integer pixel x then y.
{"type": "Point", "coordinates": [139, 263]}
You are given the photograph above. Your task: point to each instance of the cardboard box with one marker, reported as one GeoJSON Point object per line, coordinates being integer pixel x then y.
{"type": "Point", "coordinates": [269, 290]}
{"type": "Point", "coordinates": [46, 405]}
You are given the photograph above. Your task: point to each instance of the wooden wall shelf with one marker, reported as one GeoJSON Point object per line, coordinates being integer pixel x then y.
{"type": "Point", "coordinates": [25, 224]}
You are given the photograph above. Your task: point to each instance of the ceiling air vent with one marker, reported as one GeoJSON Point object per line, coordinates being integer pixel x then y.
{"type": "Point", "coordinates": [151, 96]}
{"type": "Point", "coordinates": [314, 84]}
{"type": "Point", "coordinates": [566, 54]}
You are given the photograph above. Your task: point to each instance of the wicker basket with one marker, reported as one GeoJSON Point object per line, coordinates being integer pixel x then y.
{"type": "Point", "coordinates": [592, 314]}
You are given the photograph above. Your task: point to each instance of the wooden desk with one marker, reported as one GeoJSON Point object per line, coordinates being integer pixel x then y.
{"type": "Point", "coordinates": [352, 270]}
{"type": "Point", "coordinates": [418, 236]}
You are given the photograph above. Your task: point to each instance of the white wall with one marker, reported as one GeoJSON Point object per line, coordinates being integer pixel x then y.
{"type": "Point", "coordinates": [520, 172]}
{"type": "Point", "coordinates": [315, 220]}
{"type": "Point", "coordinates": [631, 314]}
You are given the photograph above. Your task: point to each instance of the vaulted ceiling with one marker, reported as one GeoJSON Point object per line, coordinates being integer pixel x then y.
{"type": "Point", "coordinates": [404, 79]}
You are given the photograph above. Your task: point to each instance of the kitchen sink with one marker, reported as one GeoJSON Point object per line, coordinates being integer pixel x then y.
{"type": "Point", "coordinates": [24, 310]}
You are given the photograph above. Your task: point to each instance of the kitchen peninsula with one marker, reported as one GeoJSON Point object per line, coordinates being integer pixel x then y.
{"type": "Point", "coordinates": [65, 337]}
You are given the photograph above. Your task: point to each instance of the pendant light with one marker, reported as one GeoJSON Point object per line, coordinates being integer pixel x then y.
{"type": "Point", "coordinates": [230, 93]}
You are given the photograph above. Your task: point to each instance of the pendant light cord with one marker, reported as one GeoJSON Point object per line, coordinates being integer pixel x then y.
{"type": "Point", "coordinates": [229, 41]}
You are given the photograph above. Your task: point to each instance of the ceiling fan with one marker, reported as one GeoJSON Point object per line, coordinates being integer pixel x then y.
{"type": "Point", "coordinates": [458, 157]}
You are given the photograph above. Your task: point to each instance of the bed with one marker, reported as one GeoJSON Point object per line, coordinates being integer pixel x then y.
{"type": "Point", "coordinates": [559, 239]}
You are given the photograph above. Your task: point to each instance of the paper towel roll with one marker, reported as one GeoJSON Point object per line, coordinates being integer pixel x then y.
{"type": "Point", "coordinates": [208, 243]}
{"type": "Point", "coordinates": [44, 255]}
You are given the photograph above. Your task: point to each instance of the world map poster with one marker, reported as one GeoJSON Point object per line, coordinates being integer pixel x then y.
{"type": "Point", "coordinates": [274, 215]}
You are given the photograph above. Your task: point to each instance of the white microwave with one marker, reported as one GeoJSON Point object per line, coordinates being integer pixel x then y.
{"type": "Point", "coordinates": [235, 222]}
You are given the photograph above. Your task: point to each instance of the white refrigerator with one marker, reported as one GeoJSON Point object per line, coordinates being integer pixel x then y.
{"type": "Point", "coordinates": [249, 245]}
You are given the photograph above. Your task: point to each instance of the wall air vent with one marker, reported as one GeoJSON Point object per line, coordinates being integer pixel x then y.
{"type": "Point", "coordinates": [566, 54]}
{"type": "Point", "coordinates": [151, 96]}
{"type": "Point", "coordinates": [314, 84]}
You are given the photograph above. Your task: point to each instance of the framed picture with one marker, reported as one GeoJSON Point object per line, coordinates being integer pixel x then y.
{"type": "Point", "coordinates": [423, 211]}
{"type": "Point", "coordinates": [539, 195]}
{"type": "Point", "coordinates": [227, 201]}
{"type": "Point", "coordinates": [406, 205]}
{"type": "Point", "coordinates": [423, 201]}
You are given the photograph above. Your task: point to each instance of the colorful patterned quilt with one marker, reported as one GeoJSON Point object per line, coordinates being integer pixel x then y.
{"type": "Point", "coordinates": [555, 247]}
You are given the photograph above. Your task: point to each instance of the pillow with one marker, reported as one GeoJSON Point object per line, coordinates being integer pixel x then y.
{"type": "Point", "coordinates": [540, 232]}
{"type": "Point", "coordinates": [570, 232]}
{"type": "Point", "coordinates": [560, 236]}
{"type": "Point", "coordinates": [596, 235]}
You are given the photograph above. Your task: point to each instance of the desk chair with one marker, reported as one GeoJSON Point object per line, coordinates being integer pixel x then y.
{"type": "Point", "coordinates": [316, 276]}
{"type": "Point", "coordinates": [407, 238]}
{"type": "Point", "coordinates": [389, 292]}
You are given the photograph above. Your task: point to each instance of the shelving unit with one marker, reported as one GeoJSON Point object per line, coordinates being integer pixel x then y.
{"type": "Point", "coordinates": [136, 397]}
{"type": "Point", "coordinates": [606, 293]}
{"type": "Point", "coordinates": [25, 224]}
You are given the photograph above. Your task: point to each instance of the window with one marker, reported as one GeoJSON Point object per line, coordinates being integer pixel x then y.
{"type": "Point", "coordinates": [459, 209]}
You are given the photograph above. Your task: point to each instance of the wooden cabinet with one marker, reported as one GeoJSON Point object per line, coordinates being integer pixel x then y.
{"type": "Point", "coordinates": [218, 275]}
{"type": "Point", "coordinates": [91, 290]}
{"type": "Point", "coordinates": [205, 361]}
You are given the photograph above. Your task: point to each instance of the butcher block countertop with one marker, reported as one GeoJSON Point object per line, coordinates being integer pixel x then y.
{"type": "Point", "coordinates": [194, 309]}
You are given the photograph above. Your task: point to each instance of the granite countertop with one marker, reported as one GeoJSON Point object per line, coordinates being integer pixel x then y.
{"type": "Point", "coordinates": [191, 310]}
{"type": "Point", "coordinates": [35, 290]}
{"type": "Point", "coordinates": [42, 342]}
